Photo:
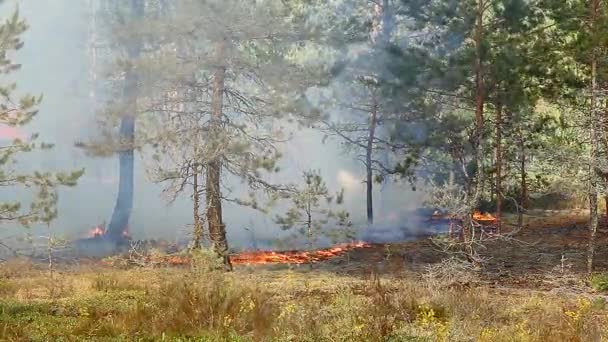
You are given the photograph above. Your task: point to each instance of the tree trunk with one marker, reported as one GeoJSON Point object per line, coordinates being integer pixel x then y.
{"type": "Point", "coordinates": [479, 100]}
{"type": "Point", "coordinates": [309, 233]}
{"type": "Point", "coordinates": [217, 229]}
{"type": "Point", "coordinates": [382, 27]}
{"type": "Point", "coordinates": [499, 168]}
{"type": "Point", "coordinates": [476, 183]}
{"type": "Point", "coordinates": [606, 210]}
{"type": "Point", "coordinates": [523, 197]}
{"type": "Point", "coordinates": [593, 184]}
{"type": "Point", "coordinates": [124, 201]}
{"type": "Point", "coordinates": [198, 227]}
{"type": "Point", "coordinates": [369, 160]}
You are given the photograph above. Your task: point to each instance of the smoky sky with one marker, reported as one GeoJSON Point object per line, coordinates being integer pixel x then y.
{"type": "Point", "coordinates": [55, 63]}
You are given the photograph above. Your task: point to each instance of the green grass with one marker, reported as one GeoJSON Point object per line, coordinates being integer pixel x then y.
{"type": "Point", "coordinates": [599, 282]}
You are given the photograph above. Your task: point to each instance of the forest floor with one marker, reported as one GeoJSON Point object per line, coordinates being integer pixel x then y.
{"type": "Point", "coordinates": [533, 288]}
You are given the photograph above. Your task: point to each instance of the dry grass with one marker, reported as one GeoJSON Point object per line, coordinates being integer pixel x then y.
{"type": "Point", "coordinates": [180, 305]}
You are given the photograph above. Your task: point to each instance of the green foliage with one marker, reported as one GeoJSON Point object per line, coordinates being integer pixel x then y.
{"type": "Point", "coordinates": [205, 260]}
{"type": "Point", "coordinates": [310, 213]}
{"type": "Point", "coordinates": [16, 113]}
{"type": "Point", "coordinates": [599, 282]}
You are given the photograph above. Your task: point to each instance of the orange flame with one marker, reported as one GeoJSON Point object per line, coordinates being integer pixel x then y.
{"type": "Point", "coordinates": [100, 230]}
{"type": "Point", "coordinates": [97, 232]}
{"type": "Point", "coordinates": [294, 257]}
{"type": "Point", "coordinates": [262, 257]}
{"type": "Point", "coordinates": [477, 216]}
{"type": "Point", "coordinates": [486, 217]}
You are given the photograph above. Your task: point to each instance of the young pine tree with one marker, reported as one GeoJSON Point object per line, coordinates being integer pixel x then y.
{"type": "Point", "coordinates": [310, 214]}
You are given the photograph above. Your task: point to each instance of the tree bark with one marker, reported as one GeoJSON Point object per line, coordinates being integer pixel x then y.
{"type": "Point", "coordinates": [593, 175]}
{"type": "Point", "coordinates": [124, 202]}
{"type": "Point", "coordinates": [198, 227]}
{"type": "Point", "coordinates": [523, 197]}
{"type": "Point", "coordinates": [369, 160]}
{"type": "Point", "coordinates": [606, 210]}
{"type": "Point", "coordinates": [476, 183]}
{"type": "Point", "coordinates": [217, 229]}
{"type": "Point", "coordinates": [309, 232]}
{"type": "Point", "coordinates": [499, 167]}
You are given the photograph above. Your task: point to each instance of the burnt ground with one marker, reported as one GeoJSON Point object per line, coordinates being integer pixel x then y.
{"type": "Point", "coordinates": [531, 259]}
{"type": "Point", "coordinates": [548, 253]}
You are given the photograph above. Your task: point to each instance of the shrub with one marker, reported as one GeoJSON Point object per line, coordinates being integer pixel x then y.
{"type": "Point", "coordinates": [599, 282]}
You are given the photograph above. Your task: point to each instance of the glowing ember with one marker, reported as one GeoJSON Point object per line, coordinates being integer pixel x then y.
{"type": "Point", "coordinates": [100, 231]}
{"type": "Point", "coordinates": [294, 257]}
{"type": "Point", "coordinates": [477, 216]}
{"type": "Point", "coordinates": [484, 217]}
{"type": "Point", "coordinates": [97, 232]}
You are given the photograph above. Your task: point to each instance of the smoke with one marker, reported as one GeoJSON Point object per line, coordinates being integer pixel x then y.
{"type": "Point", "coordinates": [348, 181]}
{"type": "Point", "coordinates": [56, 64]}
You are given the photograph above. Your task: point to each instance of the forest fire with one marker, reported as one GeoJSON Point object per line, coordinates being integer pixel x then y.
{"type": "Point", "coordinates": [100, 231]}
{"type": "Point", "coordinates": [477, 216]}
{"type": "Point", "coordinates": [484, 217]}
{"type": "Point", "coordinates": [295, 257]}
{"type": "Point", "coordinates": [245, 258]}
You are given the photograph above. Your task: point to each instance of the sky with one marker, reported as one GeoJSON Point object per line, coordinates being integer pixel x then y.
{"type": "Point", "coordinates": [55, 63]}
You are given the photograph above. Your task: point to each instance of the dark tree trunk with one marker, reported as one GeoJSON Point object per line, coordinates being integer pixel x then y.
{"type": "Point", "coordinates": [217, 229]}
{"type": "Point", "coordinates": [124, 201]}
{"type": "Point", "coordinates": [369, 160]}
{"type": "Point", "coordinates": [523, 197]}
{"type": "Point", "coordinates": [499, 167]}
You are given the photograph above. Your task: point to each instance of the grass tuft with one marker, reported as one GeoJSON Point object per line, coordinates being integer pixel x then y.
{"type": "Point", "coordinates": [599, 282]}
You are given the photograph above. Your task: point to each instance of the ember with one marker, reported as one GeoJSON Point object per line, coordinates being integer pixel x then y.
{"type": "Point", "coordinates": [477, 216]}
{"type": "Point", "coordinates": [101, 231]}
{"type": "Point", "coordinates": [98, 231]}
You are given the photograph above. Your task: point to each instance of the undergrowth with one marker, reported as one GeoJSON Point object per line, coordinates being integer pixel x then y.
{"type": "Point", "coordinates": [599, 282]}
{"type": "Point", "coordinates": [205, 305]}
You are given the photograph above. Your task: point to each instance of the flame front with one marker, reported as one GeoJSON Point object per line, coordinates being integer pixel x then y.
{"type": "Point", "coordinates": [263, 257]}
{"type": "Point", "coordinates": [294, 257]}
{"type": "Point", "coordinates": [486, 217]}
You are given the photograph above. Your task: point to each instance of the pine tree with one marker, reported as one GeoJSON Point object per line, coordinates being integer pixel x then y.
{"type": "Point", "coordinates": [369, 103]}
{"type": "Point", "coordinates": [582, 28]}
{"type": "Point", "coordinates": [481, 51]}
{"type": "Point", "coordinates": [121, 87]}
{"type": "Point", "coordinates": [222, 75]}
{"type": "Point", "coordinates": [309, 214]}
{"type": "Point", "coordinates": [15, 113]}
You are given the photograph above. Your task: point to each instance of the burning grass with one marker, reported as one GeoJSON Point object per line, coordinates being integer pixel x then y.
{"type": "Point", "coordinates": [295, 257]}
